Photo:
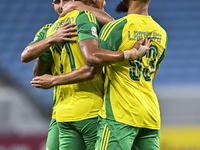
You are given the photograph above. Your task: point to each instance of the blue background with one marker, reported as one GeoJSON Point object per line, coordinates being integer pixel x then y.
{"type": "Point", "coordinates": [21, 19]}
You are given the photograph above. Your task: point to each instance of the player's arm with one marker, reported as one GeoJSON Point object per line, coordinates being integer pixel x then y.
{"type": "Point", "coordinates": [79, 75]}
{"type": "Point", "coordinates": [42, 67]}
{"type": "Point", "coordinates": [35, 50]}
{"type": "Point", "coordinates": [95, 56]}
{"type": "Point", "coordinates": [101, 15]}
{"type": "Point", "coordinates": [43, 64]}
{"type": "Point", "coordinates": [82, 74]}
{"type": "Point", "coordinates": [88, 30]}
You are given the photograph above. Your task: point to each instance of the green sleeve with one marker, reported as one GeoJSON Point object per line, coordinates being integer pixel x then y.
{"type": "Point", "coordinates": [47, 56]}
{"type": "Point", "coordinates": [40, 35]}
{"type": "Point", "coordinates": [111, 35]}
{"type": "Point", "coordinates": [87, 26]}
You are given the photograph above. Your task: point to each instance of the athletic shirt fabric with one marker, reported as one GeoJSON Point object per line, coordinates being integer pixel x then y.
{"type": "Point", "coordinates": [129, 96]}
{"type": "Point", "coordinates": [46, 56]}
{"type": "Point", "coordinates": [83, 100]}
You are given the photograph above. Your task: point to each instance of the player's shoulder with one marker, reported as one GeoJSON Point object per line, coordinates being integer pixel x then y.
{"type": "Point", "coordinates": [86, 16]}
{"type": "Point", "coordinates": [158, 27]}
{"type": "Point", "coordinates": [42, 32]}
{"type": "Point", "coordinates": [84, 12]}
{"type": "Point", "coordinates": [45, 27]}
{"type": "Point", "coordinates": [115, 25]}
{"type": "Point", "coordinates": [161, 31]}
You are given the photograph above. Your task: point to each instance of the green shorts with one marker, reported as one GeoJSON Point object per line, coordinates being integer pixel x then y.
{"type": "Point", "coordinates": [79, 135]}
{"type": "Point", "coordinates": [114, 135]}
{"type": "Point", "coordinates": [53, 136]}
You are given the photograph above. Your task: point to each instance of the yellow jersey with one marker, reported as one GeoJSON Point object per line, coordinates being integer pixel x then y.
{"type": "Point", "coordinates": [129, 96]}
{"type": "Point", "coordinates": [83, 100]}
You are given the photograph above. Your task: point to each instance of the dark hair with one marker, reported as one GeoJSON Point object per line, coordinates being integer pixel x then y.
{"type": "Point", "coordinates": [122, 6]}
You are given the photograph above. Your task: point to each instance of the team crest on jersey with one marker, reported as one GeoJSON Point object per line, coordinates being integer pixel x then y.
{"type": "Point", "coordinates": [94, 31]}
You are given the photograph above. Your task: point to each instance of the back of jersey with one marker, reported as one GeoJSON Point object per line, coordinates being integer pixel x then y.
{"type": "Point", "coordinates": [130, 97]}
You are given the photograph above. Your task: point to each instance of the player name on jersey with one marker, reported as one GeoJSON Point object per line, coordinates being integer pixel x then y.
{"type": "Point", "coordinates": [136, 35]}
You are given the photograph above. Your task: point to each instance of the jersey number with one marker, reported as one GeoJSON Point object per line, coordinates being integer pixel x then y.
{"type": "Point", "coordinates": [67, 47]}
{"type": "Point", "coordinates": [70, 55]}
{"type": "Point", "coordinates": [137, 68]}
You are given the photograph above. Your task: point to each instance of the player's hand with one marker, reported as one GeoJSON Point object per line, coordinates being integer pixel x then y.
{"type": "Point", "coordinates": [68, 7]}
{"type": "Point", "coordinates": [139, 50]}
{"type": "Point", "coordinates": [44, 82]}
{"type": "Point", "coordinates": [64, 33]}
{"type": "Point", "coordinates": [147, 43]}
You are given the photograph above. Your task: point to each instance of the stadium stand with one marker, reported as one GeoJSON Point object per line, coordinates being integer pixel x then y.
{"type": "Point", "coordinates": [177, 83]}
{"type": "Point", "coordinates": [24, 18]}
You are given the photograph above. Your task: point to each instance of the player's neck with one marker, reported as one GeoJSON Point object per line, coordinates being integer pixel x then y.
{"type": "Point", "coordinates": [136, 7]}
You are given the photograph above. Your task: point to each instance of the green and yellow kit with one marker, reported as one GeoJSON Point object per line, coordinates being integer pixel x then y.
{"type": "Point", "coordinates": [129, 96]}
{"type": "Point", "coordinates": [83, 100]}
{"type": "Point", "coordinates": [53, 134]}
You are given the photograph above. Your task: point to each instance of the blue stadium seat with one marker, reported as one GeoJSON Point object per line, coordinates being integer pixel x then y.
{"type": "Point", "coordinates": [21, 20]}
